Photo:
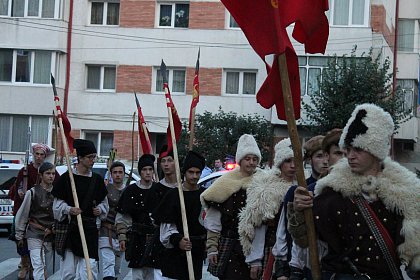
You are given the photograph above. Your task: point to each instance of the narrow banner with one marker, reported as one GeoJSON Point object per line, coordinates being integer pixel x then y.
{"type": "Point", "coordinates": [196, 90]}
{"type": "Point", "coordinates": [144, 141]}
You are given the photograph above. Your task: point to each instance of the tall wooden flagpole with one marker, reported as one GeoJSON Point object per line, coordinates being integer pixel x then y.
{"type": "Point", "coordinates": [72, 183]}
{"type": "Point", "coordinates": [132, 152]}
{"type": "Point", "coordinates": [297, 151]}
{"type": "Point", "coordinates": [192, 129]}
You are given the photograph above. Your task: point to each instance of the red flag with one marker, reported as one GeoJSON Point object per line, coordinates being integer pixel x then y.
{"type": "Point", "coordinates": [258, 23]}
{"type": "Point", "coordinates": [145, 143]}
{"type": "Point", "coordinates": [175, 118]}
{"type": "Point", "coordinates": [196, 90]}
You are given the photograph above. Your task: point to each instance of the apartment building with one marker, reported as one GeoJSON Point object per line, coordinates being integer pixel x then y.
{"type": "Point", "coordinates": [116, 48]}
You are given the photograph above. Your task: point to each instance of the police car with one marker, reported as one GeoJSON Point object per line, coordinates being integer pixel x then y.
{"type": "Point", "coordinates": [9, 170]}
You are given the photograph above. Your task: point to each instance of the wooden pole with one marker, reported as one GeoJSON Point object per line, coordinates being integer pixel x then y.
{"type": "Point", "coordinates": [73, 191]}
{"type": "Point", "coordinates": [132, 151]}
{"type": "Point", "coordinates": [297, 151]}
{"type": "Point", "coordinates": [180, 192]}
{"type": "Point", "coordinates": [192, 129]}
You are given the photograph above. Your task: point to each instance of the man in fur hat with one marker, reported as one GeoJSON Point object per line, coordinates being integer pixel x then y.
{"type": "Point", "coordinates": [223, 201]}
{"type": "Point", "coordinates": [259, 218]}
{"type": "Point", "coordinates": [367, 209]}
{"type": "Point", "coordinates": [93, 203]}
{"type": "Point", "coordinates": [137, 234]}
{"type": "Point", "coordinates": [174, 259]}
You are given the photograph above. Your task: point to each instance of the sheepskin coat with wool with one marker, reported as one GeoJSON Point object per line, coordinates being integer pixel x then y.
{"type": "Point", "coordinates": [396, 187]}
{"type": "Point", "coordinates": [265, 195]}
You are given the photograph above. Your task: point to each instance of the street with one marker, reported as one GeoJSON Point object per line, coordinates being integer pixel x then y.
{"type": "Point", "coordinates": [9, 261]}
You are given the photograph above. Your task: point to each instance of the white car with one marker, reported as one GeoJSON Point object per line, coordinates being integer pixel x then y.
{"type": "Point", "coordinates": [8, 175]}
{"type": "Point", "coordinates": [206, 182]}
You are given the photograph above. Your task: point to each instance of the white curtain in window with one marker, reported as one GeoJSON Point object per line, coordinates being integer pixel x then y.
{"type": "Point", "coordinates": [42, 67]}
{"type": "Point", "coordinates": [109, 78]}
{"type": "Point", "coordinates": [97, 13]}
{"type": "Point", "coordinates": [48, 8]}
{"type": "Point", "coordinates": [113, 16]}
{"type": "Point", "coordinates": [178, 81]}
{"type": "Point", "coordinates": [341, 12]}
{"type": "Point", "coordinates": [4, 7]}
{"type": "Point", "coordinates": [406, 35]}
{"type": "Point", "coordinates": [302, 75]}
{"type": "Point", "coordinates": [159, 81]}
{"type": "Point", "coordinates": [33, 8]}
{"type": "Point", "coordinates": [23, 66]}
{"type": "Point", "coordinates": [20, 133]}
{"type": "Point", "coordinates": [4, 132]}
{"type": "Point", "coordinates": [39, 129]}
{"type": "Point", "coordinates": [318, 61]}
{"type": "Point", "coordinates": [249, 83]}
{"type": "Point", "coordinates": [94, 77]}
{"type": "Point", "coordinates": [6, 61]}
{"type": "Point", "coordinates": [107, 141]}
{"type": "Point", "coordinates": [232, 82]}
{"type": "Point", "coordinates": [314, 74]}
{"type": "Point", "coordinates": [358, 17]}
{"type": "Point", "coordinates": [92, 136]}
{"type": "Point", "coordinates": [18, 8]}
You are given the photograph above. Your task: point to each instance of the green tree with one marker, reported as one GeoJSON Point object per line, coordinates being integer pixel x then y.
{"type": "Point", "coordinates": [347, 82]}
{"type": "Point", "coordinates": [217, 134]}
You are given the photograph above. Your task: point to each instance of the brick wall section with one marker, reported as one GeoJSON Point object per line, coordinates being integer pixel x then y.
{"type": "Point", "coordinates": [137, 13]}
{"type": "Point", "coordinates": [378, 23]}
{"type": "Point", "coordinates": [134, 78]}
{"type": "Point", "coordinates": [210, 81]}
{"type": "Point", "coordinates": [122, 142]}
{"type": "Point", "coordinates": [207, 15]}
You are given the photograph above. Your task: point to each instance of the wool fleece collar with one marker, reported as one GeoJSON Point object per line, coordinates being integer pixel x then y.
{"type": "Point", "coordinates": [225, 186]}
{"type": "Point", "coordinates": [264, 198]}
{"type": "Point", "coordinates": [399, 190]}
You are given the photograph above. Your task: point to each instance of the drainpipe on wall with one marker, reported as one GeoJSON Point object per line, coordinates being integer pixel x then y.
{"type": "Point", "coordinates": [68, 61]}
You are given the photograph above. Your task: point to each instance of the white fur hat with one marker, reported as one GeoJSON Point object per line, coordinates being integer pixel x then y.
{"type": "Point", "coordinates": [369, 128]}
{"type": "Point", "coordinates": [283, 150]}
{"type": "Point", "coordinates": [247, 146]}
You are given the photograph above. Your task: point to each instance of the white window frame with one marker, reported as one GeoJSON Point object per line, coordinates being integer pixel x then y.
{"type": "Point", "coordinates": [304, 92]}
{"type": "Point", "coordinates": [98, 144]}
{"type": "Point", "coordinates": [32, 66]}
{"type": "Point", "coordinates": [105, 13]}
{"type": "Point", "coordinates": [350, 24]}
{"type": "Point", "coordinates": [173, 4]}
{"type": "Point", "coordinates": [241, 82]}
{"type": "Point", "coordinates": [228, 18]}
{"type": "Point", "coordinates": [170, 80]}
{"type": "Point", "coordinates": [57, 14]}
{"type": "Point", "coordinates": [101, 78]}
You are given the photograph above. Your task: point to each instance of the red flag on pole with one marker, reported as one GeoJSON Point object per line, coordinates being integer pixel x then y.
{"type": "Point", "coordinates": [144, 141]}
{"type": "Point", "coordinates": [62, 115]}
{"type": "Point", "coordinates": [258, 23]}
{"type": "Point", "coordinates": [196, 90]}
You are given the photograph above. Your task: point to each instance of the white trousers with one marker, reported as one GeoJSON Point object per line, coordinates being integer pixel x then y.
{"type": "Point", "coordinates": [110, 257]}
{"type": "Point", "coordinates": [74, 267]}
{"type": "Point", "coordinates": [147, 273]}
{"type": "Point", "coordinates": [39, 261]}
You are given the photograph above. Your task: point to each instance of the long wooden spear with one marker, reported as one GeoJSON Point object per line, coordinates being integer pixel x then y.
{"type": "Point", "coordinates": [297, 151]}
{"type": "Point", "coordinates": [178, 173]}
{"type": "Point", "coordinates": [132, 152]}
{"type": "Point", "coordinates": [58, 114]}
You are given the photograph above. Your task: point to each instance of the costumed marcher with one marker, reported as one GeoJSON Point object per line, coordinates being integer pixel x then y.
{"type": "Point", "coordinates": [35, 220]}
{"type": "Point", "coordinates": [138, 236]}
{"type": "Point", "coordinates": [91, 192]}
{"type": "Point", "coordinates": [167, 164]}
{"type": "Point", "coordinates": [40, 153]}
{"type": "Point", "coordinates": [110, 254]}
{"type": "Point", "coordinates": [223, 201]}
{"type": "Point", "coordinates": [367, 209]}
{"type": "Point", "coordinates": [259, 218]}
{"type": "Point", "coordinates": [316, 157]}
{"type": "Point", "coordinates": [174, 258]}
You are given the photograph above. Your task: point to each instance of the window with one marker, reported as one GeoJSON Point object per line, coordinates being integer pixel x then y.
{"type": "Point", "coordinates": [410, 89]}
{"type": "Point", "coordinates": [30, 8]}
{"type": "Point", "coordinates": [349, 12]}
{"type": "Point", "coordinates": [173, 15]}
{"type": "Point", "coordinates": [105, 13]}
{"type": "Point", "coordinates": [101, 77]}
{"type": "Point", "coordinates": [14, 131]}
{"type": "Point", "coordinates": [406, 35]}
{"type": "Point", "coordinates": [310, 69]}
{"type": "Point", "coordinates": [176, 80]}
{"type": "Point", "coordinates": [103, 141]}
{"type": "Point", "coordinates": [240, 82]}
{"type": "Point", "coordinates": [232, 22]}
{"type": "Point", "coordinates": [24, 66]}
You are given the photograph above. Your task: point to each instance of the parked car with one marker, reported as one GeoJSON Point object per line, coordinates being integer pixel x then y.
{"type": "Point", "coordinates": [8, 175]}
{"type": "Point", "coordinates": [206, 182]}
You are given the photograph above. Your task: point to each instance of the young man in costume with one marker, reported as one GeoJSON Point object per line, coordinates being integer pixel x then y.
{"type": "Point", "coordinates": [137, 233]}
{"type": "Point", "coordinates": [108, 242]}
{"type": "Point", "coordinates": [316, 157]}
{"type": "Point", "coordinates": [93, 202]}
{"type": "Point", "coordinates": [367, 209]}
{"type": "Point", "coordinates": [223, 201]}
{"type": "Point", "coordinates": [35, 220]}
{"type": "Point", "coordinates": [174, 259]}
{"type": "Point", "coordinates": [258, 220]}
{"type": "Point", "coordinates": [167, 165]}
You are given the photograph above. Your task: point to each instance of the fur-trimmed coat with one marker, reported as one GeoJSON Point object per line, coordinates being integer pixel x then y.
{"type": "Point", "coordinates": [264, 198]}
{"type": "Point", "coordinates": [396, 187]}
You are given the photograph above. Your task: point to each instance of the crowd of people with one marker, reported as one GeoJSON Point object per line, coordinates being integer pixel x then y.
{"type": "Point", "coordinates": [249, 223]}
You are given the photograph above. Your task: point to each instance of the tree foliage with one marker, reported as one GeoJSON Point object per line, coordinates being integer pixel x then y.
{"type": "Point", "coordinates": [347, 82]}
{"type": "Point", "coordinates": [217, 134]}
